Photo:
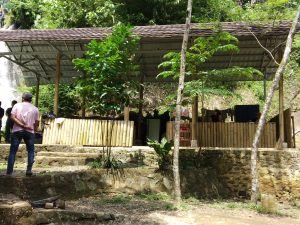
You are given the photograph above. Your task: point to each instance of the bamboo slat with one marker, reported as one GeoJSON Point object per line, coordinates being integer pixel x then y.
{"type": "Point", "coordinates": [89, 132]}
{"type": "Point", "coordinates": [229, 134]}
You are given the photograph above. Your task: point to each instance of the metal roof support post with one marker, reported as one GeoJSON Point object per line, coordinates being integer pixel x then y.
{"type": "Point", "coordinates": [57, 79]}
{"type": "Point", "coordinates": [37, 91]}
{"type": "Point", "coordinates": [194, 142]}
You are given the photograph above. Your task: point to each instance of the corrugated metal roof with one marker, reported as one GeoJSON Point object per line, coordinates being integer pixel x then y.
{"type": "Point", "coordinates": [36, 50]}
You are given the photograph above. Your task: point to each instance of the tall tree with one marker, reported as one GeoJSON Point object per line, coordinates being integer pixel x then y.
{"type": "Point", "coordinates": [108, 84]}
{"type": "Point", "coordinates": [108, 67]}
{"type": "Point", "coordinates": [262, 120]}
{"type": "Point", "coordinates": [177, 189]}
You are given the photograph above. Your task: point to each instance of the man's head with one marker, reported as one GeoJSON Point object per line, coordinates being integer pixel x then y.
{"type": "Point", "coordinates": [27, 97]}
{"type": "Point", "coordinates": [13, 102]}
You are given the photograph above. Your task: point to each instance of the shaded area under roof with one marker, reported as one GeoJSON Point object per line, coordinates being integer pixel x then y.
{"type": "Point", "coordinates": [36, 50]}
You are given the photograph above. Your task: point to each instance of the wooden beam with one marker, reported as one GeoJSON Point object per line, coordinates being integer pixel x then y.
{"type": "Point", "coordinates": [57, 79]}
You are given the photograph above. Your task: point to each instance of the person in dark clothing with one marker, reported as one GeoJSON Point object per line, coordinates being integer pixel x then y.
{"type": "Point", "coordinates": [216, 117]}
{"type": "Point", "coordinates": [1, 18]}
{"type": "Point", "coordinates": [1, 116]}
{"type": "Point", "coordinates": [9, 123]}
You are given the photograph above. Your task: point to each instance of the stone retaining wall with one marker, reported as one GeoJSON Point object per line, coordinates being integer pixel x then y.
{"type": "Point", "coordinates": [208, 173]}
{"type": "Point", "coordinates": [279, 170]}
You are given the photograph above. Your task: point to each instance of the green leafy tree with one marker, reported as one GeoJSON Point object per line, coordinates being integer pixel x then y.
{"type": "Point", "coordinates": [271, 10]}
{"type": "Point", "coordinates": [80, 13]}
{"type": "Point", "coordinates": [205, 82]}
{"type": "Point", "coordinates": [68, 101]}
{"type": "Point", "coordinates": [109, 67]}
{"type": "Point", "coordinates": [174, 12]}
{"type": "Point", "coordinates": [24, 13]}
{"type": "Point", "coordinates": [108, 83]}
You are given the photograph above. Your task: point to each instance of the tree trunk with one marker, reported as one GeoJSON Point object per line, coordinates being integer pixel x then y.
{"type": "Point", "coordinates": [261, 123]}
{"type": "Point", "coordinates": [177, 190]}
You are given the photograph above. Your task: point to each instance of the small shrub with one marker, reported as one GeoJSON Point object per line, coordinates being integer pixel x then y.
{"type": "Point", "coordinates": [162, 150]}
{"type": "Point", "coordinates": [96, 164]}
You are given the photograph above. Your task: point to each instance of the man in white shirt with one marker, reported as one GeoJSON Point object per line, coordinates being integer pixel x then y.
{"type": "Point", "coordinates": [26, 121]}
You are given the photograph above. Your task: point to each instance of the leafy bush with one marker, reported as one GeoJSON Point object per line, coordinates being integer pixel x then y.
{"type": "Point", "coordinates": [162, 150]}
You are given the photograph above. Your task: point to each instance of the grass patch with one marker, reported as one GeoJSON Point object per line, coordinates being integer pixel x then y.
{"type": "Point", "coordinates": [161, 196]}
{"type": "Point", "coordinates": [153, 201]}
{"type": "Point", "coordinates": [118, 199]}
{"type": "Point", "coordinates": [263, 210]}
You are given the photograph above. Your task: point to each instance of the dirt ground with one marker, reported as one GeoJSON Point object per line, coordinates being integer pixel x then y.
{"type": "Point", "coordinates": [136, 211]}
{"type": "Point", "coordinates": [158, 210]}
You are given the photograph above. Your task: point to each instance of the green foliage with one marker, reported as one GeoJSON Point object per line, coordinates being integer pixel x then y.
{"type": "Point", "coordinates": [162, 150]}
{"type": "Point", "coordinates": [69, 103]}
{"type": "Point", "coordinates": [109, 163]}
{"type": "Point", "coordinates": [24, 12]}
{"type": "Point", "coordinates": [109, 69]}
{"type": "Point", "coordinates": [205, 82]}
{"type": "Point", "coordinates": [119, 199]}
{"type": "Point", "coordinates": [80, 13]}
{"type": "Point", "coordinates": [156, 12]}
{"type": "Point", "coordinates": [174, 12]}
{"type": "Point", "coordinates": [270, 10]}
{"type": "Point", "coordinates": [100, 13]}
{"type": "Point", "coordinates": [200, 52]}
{"type": "Point", "coordinates": [216, 11]}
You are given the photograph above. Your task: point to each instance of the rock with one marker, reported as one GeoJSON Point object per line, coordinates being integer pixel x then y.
{"type": "Point", "coordinates": [49, 205]}
{"type": "Point", "coordinates": [167, 183]}
{"type": "Point", "coordinates": [60, 204]}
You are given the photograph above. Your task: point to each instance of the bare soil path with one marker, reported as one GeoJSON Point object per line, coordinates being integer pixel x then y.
{"type": "Point", "coordinates": [136, 211]}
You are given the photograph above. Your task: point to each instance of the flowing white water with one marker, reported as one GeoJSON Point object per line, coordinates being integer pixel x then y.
{"type": "Point", "coordinates": [10, 79]}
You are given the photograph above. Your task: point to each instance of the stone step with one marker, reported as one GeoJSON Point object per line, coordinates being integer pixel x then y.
{"type": "Point", "coordinates": [62, 161]}
{"type": "Point", "coordinates": [68, 154]}
{"type": "Point", "coordinates": [84, 149]}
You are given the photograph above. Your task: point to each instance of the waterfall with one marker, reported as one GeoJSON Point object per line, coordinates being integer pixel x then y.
{"type": "Point", "coordinates": [10, 79]}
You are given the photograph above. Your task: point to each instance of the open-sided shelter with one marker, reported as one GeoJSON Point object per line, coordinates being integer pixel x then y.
{"type": "Point", "coordinates": [45, 56]}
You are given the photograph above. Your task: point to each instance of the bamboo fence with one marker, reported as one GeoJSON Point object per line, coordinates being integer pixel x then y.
{"type": "Point", "coordinates": [89, 132]}
{"type": "Point", "coordinates": [225, 134]}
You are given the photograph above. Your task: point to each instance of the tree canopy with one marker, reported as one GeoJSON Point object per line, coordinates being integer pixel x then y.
{"type": "Point", "coordinates": [204, 82]}
{"type": "Point", "coordinates": [101, 13]}
{"type": "Point", "coordinates": [108, 66]}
